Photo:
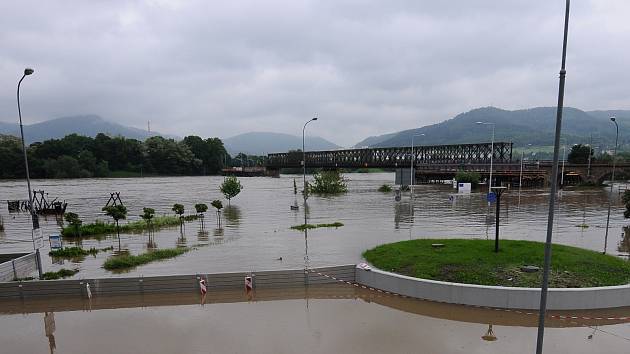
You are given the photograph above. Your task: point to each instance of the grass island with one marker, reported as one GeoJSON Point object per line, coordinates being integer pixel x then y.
{"type": "Point", "coordinates": [473, 261]}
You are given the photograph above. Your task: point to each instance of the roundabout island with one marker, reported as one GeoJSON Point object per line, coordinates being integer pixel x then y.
{"type": "Point", "coordinates": [468, 271]}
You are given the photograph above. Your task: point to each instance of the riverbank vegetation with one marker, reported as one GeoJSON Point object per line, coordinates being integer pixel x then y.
{"type": "Point", "coordinates": [103, 228]}
{"type": "Point", "coordinates": [303, 227]}
{"type": "Point", "coordinates": [474, 262]}
{"type": "Point", "coordinates": [124, 262]}
{"type": "Point", "coordinates": [76, 156]}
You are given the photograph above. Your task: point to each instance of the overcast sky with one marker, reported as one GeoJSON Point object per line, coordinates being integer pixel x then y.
{"type": "Point", "coordinates": [366, 67]}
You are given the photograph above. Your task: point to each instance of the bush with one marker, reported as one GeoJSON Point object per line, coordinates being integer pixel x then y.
{"type": "Point", "coordinates": [129, 261]}
{"type": "Point", "coordinates": [385, 188]}
{"type": "Point", "coordinates": [62, 273]}
{"type": "Point", "coordinates": [328, 182]}
{"type": "Point", "coordinates": [467, 177]}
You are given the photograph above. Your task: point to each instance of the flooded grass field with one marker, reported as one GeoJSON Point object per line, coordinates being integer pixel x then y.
{"type": "Point", "coordinates": [316, 319]}
{"type": "Point", "coordinates": [256, 232]}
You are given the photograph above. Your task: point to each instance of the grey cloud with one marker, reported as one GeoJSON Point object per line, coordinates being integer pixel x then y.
{"type": "Point", "coordinates": [366, 67]}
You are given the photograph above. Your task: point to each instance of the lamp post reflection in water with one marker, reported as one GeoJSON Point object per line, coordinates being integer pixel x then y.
{"type": "Point", "coordinates": [49, 329]}
{"type": "Point", "coordinates": [489, 336]}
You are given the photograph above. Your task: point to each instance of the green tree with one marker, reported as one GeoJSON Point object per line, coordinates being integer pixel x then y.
{"type": "Point", "coordinates": [179, 210]}
{"type": "Point", "coordinates": [231, 187]}
{"type": "Point", "coordinates": [579, 154]}
{"type": "Point", "coordinates": [116, 212]}
{"type": "Point", "coordinates": [201, 208]}
{"type": "Point", "coordinates": [467, 177]}
{"type": "Point", "coordinates": [147, 216]}
{"type": "Point", "coordinates": [328, 182]}
{"type": "Point", "coordinates": [218, 205]}
{"type": "Point", "coordinates": [73, 220]}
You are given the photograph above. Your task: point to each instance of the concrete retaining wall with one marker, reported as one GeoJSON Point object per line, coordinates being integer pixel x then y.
{"type": "Point", "coordinates": [173, 283]}
{"type": "Point", "coordinates": [496, 296]}
{"type": "Point", "coordinates": [17, 265]}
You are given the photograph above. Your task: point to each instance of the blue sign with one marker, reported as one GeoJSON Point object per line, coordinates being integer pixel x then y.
{"type": "Point", "coordinates": [55, 242]}
{"type": "Point", "coordinates": [491, 197]}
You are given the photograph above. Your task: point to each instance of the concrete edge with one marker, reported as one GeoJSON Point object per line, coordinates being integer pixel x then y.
{"type": "Point", "coordinates": [495, 296]}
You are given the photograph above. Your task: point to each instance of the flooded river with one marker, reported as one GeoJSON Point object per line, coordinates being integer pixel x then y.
{"type": "Point", "coordinates": [255, 233]}
{"type": "Point", "coordinates": [316, 319]}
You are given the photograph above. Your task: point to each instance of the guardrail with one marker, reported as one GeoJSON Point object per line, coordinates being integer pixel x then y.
{"type": "Point", "coordinates": [17, 265]}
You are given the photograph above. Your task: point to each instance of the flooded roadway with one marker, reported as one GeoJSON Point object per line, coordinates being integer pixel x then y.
{"type": "Point", "coordinates": [315, 319]}
{"type": "Point", "coordinates": [256, 230]}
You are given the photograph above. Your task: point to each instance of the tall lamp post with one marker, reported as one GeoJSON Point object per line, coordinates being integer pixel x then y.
{"type": "Point", "coordinates": [542, 311]}
{"type": "Point", "coordinates": [34, 220]}
{"type": "Point", "coordinates": [614, 120]}
{"type": "Point", "coordinates": [413, 160]}
{"type": "Point", "coordinates": [491, 151]}
{"type": "Point", "coordinates": [304, 162]}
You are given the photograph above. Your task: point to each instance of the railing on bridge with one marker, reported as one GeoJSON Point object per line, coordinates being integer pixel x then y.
{"type": "Point", "coordinates": [395, 156]}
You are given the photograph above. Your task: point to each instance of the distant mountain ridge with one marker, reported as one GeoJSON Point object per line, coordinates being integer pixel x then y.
{"type": "Point", "coordinates": [87, 125]}
{"type": "Point", "coordinates": [534, 126]}
{"type": "Point", "coordinates": [262, 143]}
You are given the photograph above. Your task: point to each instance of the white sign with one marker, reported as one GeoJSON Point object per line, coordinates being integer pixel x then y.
{"type": "Point", "coordinates": [38, 238]}
{"type": "Point", "coordinates": [464, 187]}
{"type": "Point", "coordinates": [55, 241]}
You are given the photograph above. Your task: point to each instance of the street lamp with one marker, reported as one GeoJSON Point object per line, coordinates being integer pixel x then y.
{"type": "Point", "coordinates": [520, 176]}
{"type": "Point", "coordinates": [614, 120]}
{"type": "Point", "coordinates": [34, 220]}
{"type": "Point", "coordinates": [304, 162]}
{"type": "Point", "coordinates": [413, 160]}
{"type": "Point", "coordinates": [491, 152]}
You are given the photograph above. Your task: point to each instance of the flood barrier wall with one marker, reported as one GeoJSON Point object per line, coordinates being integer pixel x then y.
{"type": "Point", "coordinates": [172, 283]}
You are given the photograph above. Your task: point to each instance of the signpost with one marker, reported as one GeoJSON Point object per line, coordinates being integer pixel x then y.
{"type": "Point", "coordinates": [496, 194]}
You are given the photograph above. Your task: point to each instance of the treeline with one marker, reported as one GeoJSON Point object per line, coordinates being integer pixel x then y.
{"type": "Point", "coordinates": [76, 156]}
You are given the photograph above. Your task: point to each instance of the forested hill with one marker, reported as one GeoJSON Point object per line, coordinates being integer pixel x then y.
{"type": "Point", "coordinates": [527, 126]}
{"type": "Point", "coordinates": [77, 156]}
{"type": "Point", "coordinates": [262, 143]}
{"type": "Point", "coordinates": [86, 125]}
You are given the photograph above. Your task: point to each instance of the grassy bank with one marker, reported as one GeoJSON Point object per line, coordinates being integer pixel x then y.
{"type": "Point", "coordinates": [77, 252]}
{"type": "Point", "coordinates": [303, 227]}
{"type": "Point", "coordinates": [474, 262]}
{"type": "Point", "coordinates": [125, 262]}
{"type": "Point", "coordinates": [62, 273]}
{"type": "Point", "coordinates": [103, 228]}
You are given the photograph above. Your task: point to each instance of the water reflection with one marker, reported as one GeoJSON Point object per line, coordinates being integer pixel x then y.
{"type": "Point", "coordinates": [49, 330]}
{"type": "Point", "coordinates": [232, 214]}
{"type": "Point", "coordinates": [403, 213]}
{"type": "Point", "coordinates": [202, 236]}
{"type": "Point", "coordinates": [624, 243]}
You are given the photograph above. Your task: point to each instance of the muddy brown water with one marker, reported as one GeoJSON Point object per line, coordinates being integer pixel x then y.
{"type": "Point", "coordinates": [316, 319]}
{"type": "Point", "coordinates": [255, 232]}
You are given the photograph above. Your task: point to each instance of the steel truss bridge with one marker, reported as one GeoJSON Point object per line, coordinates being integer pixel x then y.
{"type": "Point", "coordinates": [395, 157]}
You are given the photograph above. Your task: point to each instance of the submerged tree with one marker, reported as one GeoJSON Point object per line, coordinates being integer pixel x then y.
{"type": "Point", "coordinates": [116, 212]}
{"type": "Point", "coordinates": [328, 182]}
{"type": "Point", "coordinates": [201, 208]}
{"type": "Point", "coordinates": [73, 220]}
{"type": "Point", "coordinates": [231, 187]}
{"type": "Point", "coordinates": [179, 210]}
{"type": "Point", "coordinates": [218, 205]}
{"type": "Point", "coordinates": [147, 216]}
